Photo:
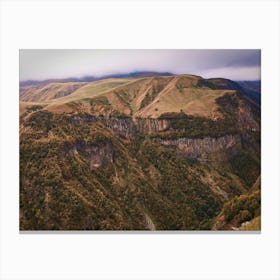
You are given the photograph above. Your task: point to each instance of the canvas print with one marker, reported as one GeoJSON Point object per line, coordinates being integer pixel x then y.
{"type": "Point", "coordinates": [140, 140]}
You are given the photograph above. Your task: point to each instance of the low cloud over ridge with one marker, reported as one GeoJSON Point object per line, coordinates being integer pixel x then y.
{"type": "Point", "coordinates": [231, 64]}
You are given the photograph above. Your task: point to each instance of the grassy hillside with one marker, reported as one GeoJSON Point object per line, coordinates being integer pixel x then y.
{"type": "Point", "coordinates": [48, 92]}
{"type": "Point", "coordinates": [138, 97]}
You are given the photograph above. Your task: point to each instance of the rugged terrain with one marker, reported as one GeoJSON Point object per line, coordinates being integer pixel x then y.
{"type": "Point", "coordinates": [172, 152]}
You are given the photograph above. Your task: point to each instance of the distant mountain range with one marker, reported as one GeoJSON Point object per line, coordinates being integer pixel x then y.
{"type": "Point", "coordinates": [94, 78]}
{"type": "Point", "coordinates": [252, 89]}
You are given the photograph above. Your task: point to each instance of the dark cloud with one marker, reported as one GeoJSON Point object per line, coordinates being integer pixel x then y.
{"type": "Point", "coordinates": [232, 64]}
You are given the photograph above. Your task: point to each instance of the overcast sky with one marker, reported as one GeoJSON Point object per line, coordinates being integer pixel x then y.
{"type": "Point", "coordinates": [231, 64]}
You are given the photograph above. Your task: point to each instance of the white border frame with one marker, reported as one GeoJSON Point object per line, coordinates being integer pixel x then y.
{"type": "Point", "coordinates": [153, 24]}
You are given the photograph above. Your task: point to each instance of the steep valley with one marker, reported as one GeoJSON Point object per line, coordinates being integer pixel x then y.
{"type": "Point", "coordinates": [150, 153]}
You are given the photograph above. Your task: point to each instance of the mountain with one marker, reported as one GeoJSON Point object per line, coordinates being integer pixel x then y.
{"type": "Point", "coordinates": [93, 78]}
{"type": "Point", "coordinates": [152, 152]}
{"type": "Point", "coordinates": [252, 90]}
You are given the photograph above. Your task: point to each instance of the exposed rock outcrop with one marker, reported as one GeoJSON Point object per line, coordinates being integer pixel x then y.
{"type": "Point", "coordinates": [121, 126]}
{"type": "Point", "coordinates": [190, 137]}
{"type": "Point", "coordinates": [126, 126]}
{"type": "Point", "coordinates": [200, 148]}
{"type": "Point", "coordinates": [98, 155]}
{"type": "Point", "coordinates": [148, 126]}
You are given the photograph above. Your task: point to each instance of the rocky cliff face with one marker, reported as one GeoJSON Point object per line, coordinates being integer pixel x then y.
{"type": "Point", "coordinates": [202, 148]}
{"type": "Point", "coordinates": [148, 126]}
{"type": "Point", "coordinates": [126, 127]}
{"type": "Point", "coordinates": [98, 155]}
{"type": "Point", "coordinates": [123, 127]}
{"type": "Point", "coordinates": [191, 137]}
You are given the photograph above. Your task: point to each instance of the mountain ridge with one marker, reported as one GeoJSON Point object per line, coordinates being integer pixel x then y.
{"type": "Point", "coordinates": [160, 94]}
{"type": "Point", "coordinates": [96, 78]}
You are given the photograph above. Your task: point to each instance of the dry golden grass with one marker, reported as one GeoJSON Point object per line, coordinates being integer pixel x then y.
{"type": "Point", "coordinates": [93, 89]}
{"type": "Point", "coordinates": [35, 93]}
{"type": "Point", "coordinates": [138, 97]}
{"type": "Point", "coordinates": [90, 90]}
{"type": "Point", "coordinates": [254, 224]}
{"type": "Point", "coordinates": [189, 99]}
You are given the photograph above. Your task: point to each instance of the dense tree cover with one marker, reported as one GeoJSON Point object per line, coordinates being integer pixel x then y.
{"type": "Point", "coordinates": [196, 127]}
{"type": "Point", "coordinates": [59, 189]}
{"type": "Point", "coordinates": [190, 200]}
{"type": "Point", "coordinates": [242, 208]}
{"type": "Point", "coordinates": [246, 167]}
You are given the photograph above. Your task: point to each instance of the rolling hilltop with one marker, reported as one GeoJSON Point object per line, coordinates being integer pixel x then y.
{"type": "Point", "coordinates": [139, 152]}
